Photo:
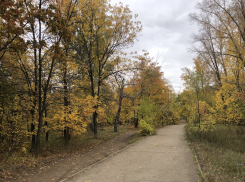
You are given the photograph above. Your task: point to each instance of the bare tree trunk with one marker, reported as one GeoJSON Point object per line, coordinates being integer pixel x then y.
{"type": "Point", "coordinates": [66, 104]}
{"type": "Point", "coordinates": [1, 121]}
{"type": "Point", "coordinates": [40, 114]}
{"type": "Point", "coordinates": [95, 114]}
{"type": "Point", "coordinates": [134, 115]}
{"type": "Point", "coordinates": [33, 136]}
{"type": "Point", "coordinates": [119, 109]}
{"type": "Point", "coordinates": [136, 124]}
{"type": "Point", "coordinates": [198, 110]}
{"type": "Point", "coordinates": [46, 124]}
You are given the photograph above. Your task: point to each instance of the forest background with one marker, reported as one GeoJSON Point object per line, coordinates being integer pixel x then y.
{"type": "Point", "coordinates": [63, 72]}
{"type": "Point", "coordinates": [213, 98]}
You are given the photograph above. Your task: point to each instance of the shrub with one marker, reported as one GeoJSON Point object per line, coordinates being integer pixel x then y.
{"type": "Point", "coordinates": [146, 128]}
{"type": "Point", "coordinates": [110, 120]}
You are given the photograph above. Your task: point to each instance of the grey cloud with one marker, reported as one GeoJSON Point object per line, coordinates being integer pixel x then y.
{"type": "Point", "coordinates": [166, 29]}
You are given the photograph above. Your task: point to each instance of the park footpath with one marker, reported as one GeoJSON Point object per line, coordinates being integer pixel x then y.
{"type": "Point", "coordinates": [163, 157]}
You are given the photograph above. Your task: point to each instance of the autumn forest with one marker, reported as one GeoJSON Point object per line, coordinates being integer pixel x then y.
{"type": "Point", "coordinates": [65, 71]}
{"type": "Point", "coordinates": [216, 82]}
{"type": "Point", "coordinates": [213, 99]}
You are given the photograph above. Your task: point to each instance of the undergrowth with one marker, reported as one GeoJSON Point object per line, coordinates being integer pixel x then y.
{"type": "Point", "coordinates": [56, 146]}
{"type": "Point", "coordinates": [221, 152]}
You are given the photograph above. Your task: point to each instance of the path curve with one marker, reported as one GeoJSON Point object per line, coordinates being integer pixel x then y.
{"type": "Point", "coordinates": [164, 157]}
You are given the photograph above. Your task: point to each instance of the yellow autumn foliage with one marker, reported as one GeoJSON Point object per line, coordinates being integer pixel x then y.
{"type": "Point", "coordinates": [227, 108]}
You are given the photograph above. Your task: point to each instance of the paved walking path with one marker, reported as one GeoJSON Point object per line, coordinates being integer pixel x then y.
{"type": "Point", "coordinates": [164, 157]}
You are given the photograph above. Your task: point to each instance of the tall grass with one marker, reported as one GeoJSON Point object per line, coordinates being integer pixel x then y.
{"type": "Point", "coordinates": [221, 152]}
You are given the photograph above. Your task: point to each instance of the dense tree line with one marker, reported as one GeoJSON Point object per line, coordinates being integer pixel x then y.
{"type": "Point", "coordinates": [216, 82]}
{"type": "Point", "coordinates": [62, 70]}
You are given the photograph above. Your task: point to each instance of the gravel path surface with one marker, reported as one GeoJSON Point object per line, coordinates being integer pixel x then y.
{"type": "Point", "coordinates": [164, 157]}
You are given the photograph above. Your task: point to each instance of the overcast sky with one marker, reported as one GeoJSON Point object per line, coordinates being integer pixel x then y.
{"type": "Point", "coordinates": [166, 30]}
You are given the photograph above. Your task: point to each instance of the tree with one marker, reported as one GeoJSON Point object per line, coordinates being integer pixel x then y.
{"type": "Point", "coordinates": [150, 88]}
{"type": "Point", "coordinates": [220, 47]}
{"type": "Point", "coordinates": [221, 25]}
{"type": "Point", "coordinates": [12, 26]}
{"type": "Point", "coordinates": [121, 84]}
{"type": "Point", "coordinates": [102, 30]}
{"type": "Point", "coordinates": [196, 81]}
{"type": "Point", "coordinates": [45, 28]}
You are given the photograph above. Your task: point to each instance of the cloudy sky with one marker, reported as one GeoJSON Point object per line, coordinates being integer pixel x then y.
{"type": "Point", "coordinates": [166, 30]}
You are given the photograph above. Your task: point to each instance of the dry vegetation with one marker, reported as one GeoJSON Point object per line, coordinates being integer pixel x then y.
{"type": "Point", "coordinates": [15, 163]}
{"type": "Point", "coordinates": [221, 152]}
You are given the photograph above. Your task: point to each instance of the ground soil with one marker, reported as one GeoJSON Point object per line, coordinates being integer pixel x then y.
{"type": "Point", "coordinates": [59, 168]}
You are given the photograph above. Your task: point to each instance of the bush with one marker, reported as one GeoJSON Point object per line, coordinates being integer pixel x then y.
{"type": "Point", "coordinates": [145, 128]}
{"type": "Point", "coordinates": [110, 120]}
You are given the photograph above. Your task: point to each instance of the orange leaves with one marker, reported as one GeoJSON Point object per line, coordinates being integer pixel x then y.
{"type": "Point", "coordinates": [149, 88]}
{"type": "Point", "coordinates": [241, 96]}
{"type": "Point", "coordinates": [152, 83]}
{"type": "Point", "coordinates": [12, 18]}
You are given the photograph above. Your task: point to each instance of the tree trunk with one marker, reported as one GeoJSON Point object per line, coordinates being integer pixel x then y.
{"type": "Point", "coordinates": [134, 116]}
{"type": "Point", "coordinates": [40, 114]}
{"type": "Point", "coordinates": [46, 124]}
{"type": "Point", "coordinates": [66, 104]}
{"type": "Point", "coordinates": [198, 110]}
{"type": "Point", "coordinates": [33, 137]}
{"type": "Point", "coordinates": [136, 124]}
{"type": "Point", "coordinates": [119, 110]}
{"type": "Point", "coordinates": [135, 119]}
{"type": "Point", "coordinates": [95, 114]}
{"type": "Point", "coordinates": [1, 121]}
{"type": "Point", "coordinates": [39, 130]}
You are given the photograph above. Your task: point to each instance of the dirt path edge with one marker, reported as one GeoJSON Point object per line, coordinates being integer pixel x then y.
{"type": "Point", "coordinates": [77, 173]}
{"type": "Point", "coordinates": [64, 167]}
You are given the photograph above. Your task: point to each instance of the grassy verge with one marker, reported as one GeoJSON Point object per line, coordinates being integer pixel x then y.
{"type": "Point", "coordinates": [136, 138]}
{"type": "Point", "coordinates": [195, 159]}
{"type": "Point", "coordinates": [56, 147]}
{"type": "Point", "coordinates": [221, 152]}
{"type": "Point", "coordinates": [81, 142]}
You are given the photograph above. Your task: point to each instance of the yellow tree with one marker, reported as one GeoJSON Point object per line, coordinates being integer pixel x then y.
{"type": "Point", "coordinates": [102, 29]}
{"type": "Point", "coordinates": [151, 92]}
{"type": "Point", "coordinates": [45, 27]}
{"type": "Point", "coordinates": [12, 26]}
{"type": "Point", "coordinates": [197, 80]}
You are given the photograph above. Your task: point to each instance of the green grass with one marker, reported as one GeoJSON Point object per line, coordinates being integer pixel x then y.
{"type": "Point", "coordinates": [221, 152]}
